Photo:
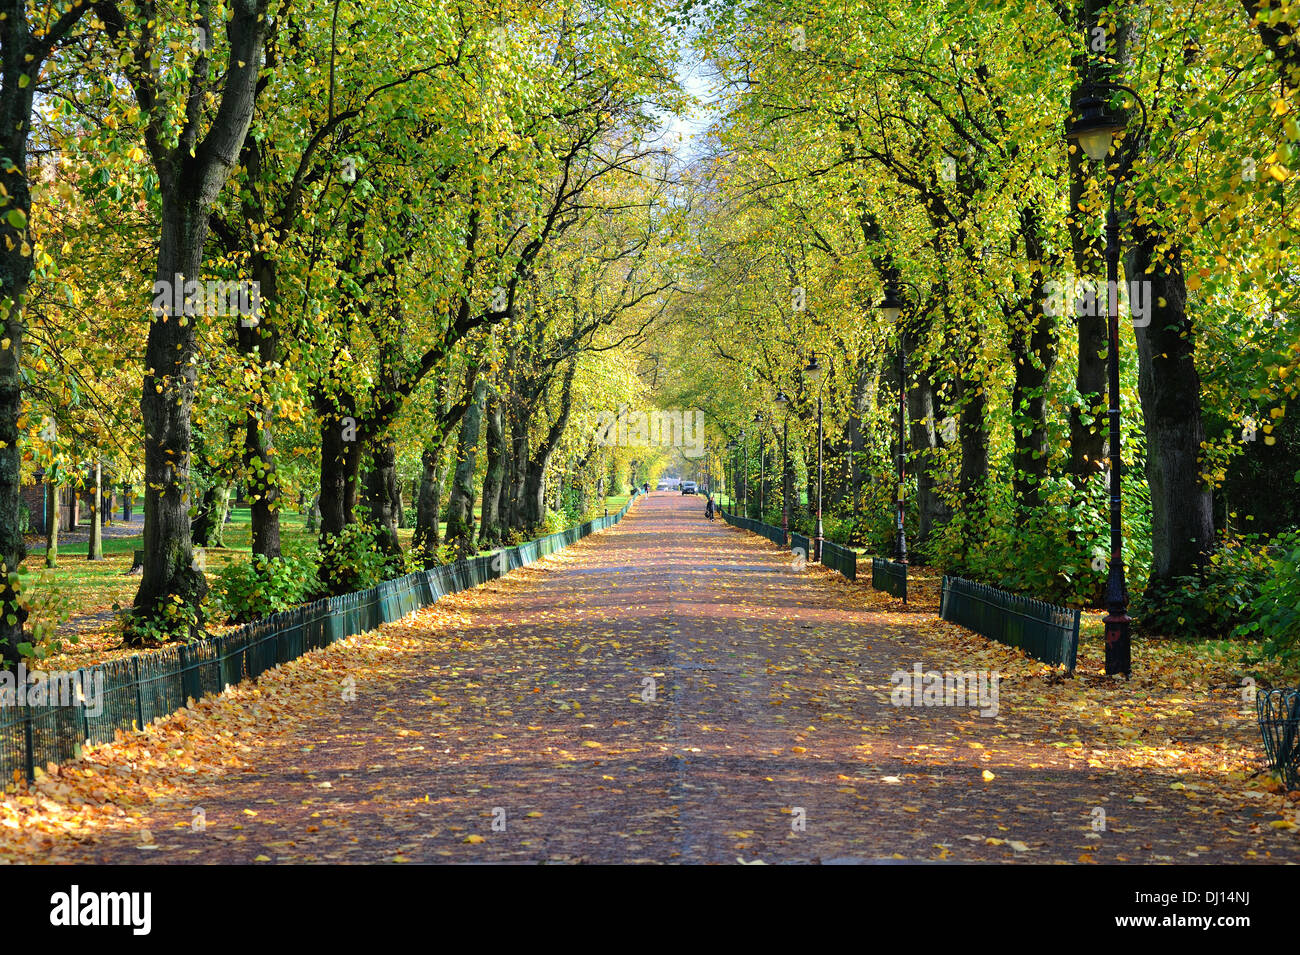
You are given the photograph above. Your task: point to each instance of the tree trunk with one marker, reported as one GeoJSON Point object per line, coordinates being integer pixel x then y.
{"type": "Point", "coordinates": [490, 529]}
{"type": "Point", "coordinates": [223, 517]}
{"type": "Point", "coordinates": [51, 524]}
{"type": "Point", "coordinates": [1182, 513]}
{"type": "Point", "coordinates": [460, 505]}
{"type": "Point", "coordinates": [974, 441]}
{"type": "Point", "coordinates": [428, 533]}
{"type": "Point", "coordinates": [206, 525]}
{"type": "Point", "coordinates": [1088, 414]}
{"type": "Point", "coordinates": [191, 175]}
{"type": "Point", "coordinates": [925, 442]}
{"type": "Point", "coordinates": [1033, 353]}
{"type": "Point", "coordinates": [126, 501]}
{"type": "Point", "coordinates": [382, 495]}
{"type": "Point", "coordinates": [339, 465]}
{"type": "Point", "coordinates": [534, 497]}
{"type": "Point", "coordinates": [259, 342]}
{"type": "Point", "coordinates": [22, 57]}
{"type": "Point", "coordinates": [263, 490]}
{"type": "Point", "coordinates": [165, 405]}
{"type": "Point", "coordinates": [95, 548]}
{"type": "Point", "coordinates": [106, 498]}
{"type": "Point", "coordinates": [15, 275]}
{"type": "Point", "coordinates": [864, 403]}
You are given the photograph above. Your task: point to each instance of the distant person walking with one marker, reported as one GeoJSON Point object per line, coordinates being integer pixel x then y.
{"type": "Point", "coordinates": [708, 507]}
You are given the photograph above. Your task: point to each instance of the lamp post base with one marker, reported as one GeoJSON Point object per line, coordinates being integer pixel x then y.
{"type": "Point", "coordinates": [1119, 644]}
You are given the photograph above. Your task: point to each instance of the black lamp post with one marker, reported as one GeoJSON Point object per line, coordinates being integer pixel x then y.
{"type": "Point", "coordinates": [783, 403]}
{"type": "Point", "coordinates": [1093, 130]}
{"type": "Point", "coordinates": [813, 373]}
{"type": "Point", "coordinates": [892, 310]}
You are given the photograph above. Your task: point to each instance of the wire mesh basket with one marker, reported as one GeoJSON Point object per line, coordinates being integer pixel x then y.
{"type": "Point", "coordinates": [1279, 724]}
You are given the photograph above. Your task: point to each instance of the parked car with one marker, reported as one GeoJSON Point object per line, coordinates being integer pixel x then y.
{"type": "Point", "coordinates": [689, 487]}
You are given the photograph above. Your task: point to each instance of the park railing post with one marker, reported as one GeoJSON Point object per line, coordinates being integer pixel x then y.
{"type": "Point", "coordinates": [139, 691]}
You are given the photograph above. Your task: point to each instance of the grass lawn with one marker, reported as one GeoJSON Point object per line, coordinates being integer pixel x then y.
{"type": "Point", "coordinates": [78, 595]}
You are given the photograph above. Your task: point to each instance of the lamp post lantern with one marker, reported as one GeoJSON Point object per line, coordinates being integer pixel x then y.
{"type": "Point", "coordinates": [1094, 130]}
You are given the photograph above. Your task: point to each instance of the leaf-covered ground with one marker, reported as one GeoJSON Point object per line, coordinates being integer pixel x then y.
{"type": "Point", "coordinates": [515, 722]}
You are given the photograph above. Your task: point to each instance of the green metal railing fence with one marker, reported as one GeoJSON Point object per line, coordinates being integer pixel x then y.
{"type": "Point", "coordinates": [889, 576]}
{"type": "Point", "coordinates": [1044, 631]}
{"type": "Point", "coordinates": [801, 544]}
{"type": "Point", "coordinates": [840, 558]}
{"type": "Point", "coordinates": [128, 693]}
{"type": "Point", "coordinates": [771, 532]}
{"type": "Point", "coordinates": [834, 556]}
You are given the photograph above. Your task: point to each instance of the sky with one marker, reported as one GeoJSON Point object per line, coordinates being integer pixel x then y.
{"type": "Point", "coordinates": [686, 133]}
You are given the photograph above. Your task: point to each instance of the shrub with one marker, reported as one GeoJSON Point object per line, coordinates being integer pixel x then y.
{"type": "Point", "coordinates": [554, 522]}
{"type": "Point", "coordinates": [1211, 603]}
{"type": "Point", "coordinates": [1276, 608]}
{"type": "Point", "coordinates": [263, 586]}
{"type": "Point", "coordinates": [1055, 552]}
{"type": "Point", "coordinates": [352, 559]}
{"type": "Point", "coordinates": [424, 557]}
{"type": "Point", "coordinates": [838, 530]}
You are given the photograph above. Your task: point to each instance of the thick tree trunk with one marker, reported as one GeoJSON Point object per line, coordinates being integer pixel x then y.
{"type": "Point", "coordinates": [460, 504]}
{"type": "Point", "coordinates": [165, 403]}
{"type": "Point", "coordinates": [534, 496]}
{"type": "Point", "coordinates": [1033, 352]}
{"type": "Point", "coordinates": [1182, 513]}
{"type": "Point", "coordinates": [1033, 357]}
{"type": "Point", "coordinates": [428, 531]}
{"type": "Point", "coordinates": [15, 274]}
{"type": "Point", "coordinates": [1088, 414]}
{"type": "Point", "coordinates": [341, 442]}
{"type": "Point", "coordinates": [490, 526]}
{"type": "Point", "coordinates": [259, 341]}
{"type": "Point", "coordinates": [191, 175]}
{"type": "Point", "coordinates": [974, 441]}
{"type": "Point", "coordinates": [516, 473]}
{"type": "Point", "coordinates": [382, 494]}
